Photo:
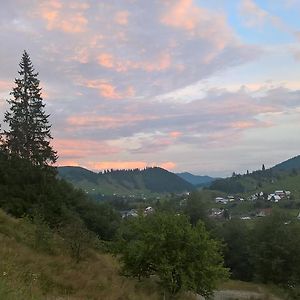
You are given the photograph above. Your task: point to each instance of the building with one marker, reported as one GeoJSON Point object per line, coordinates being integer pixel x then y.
{"type": "Point", "coordinates": [221, 200]}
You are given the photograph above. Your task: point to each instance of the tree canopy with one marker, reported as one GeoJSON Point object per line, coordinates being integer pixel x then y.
{"type": "Point", "coordinates": [183, 257]}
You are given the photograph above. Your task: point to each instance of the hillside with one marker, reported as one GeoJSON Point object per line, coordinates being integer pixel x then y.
{"type": "Point", "coordinates": [196, 180]}
{"type": "Point", "coordinates": [283, 176]}
{"type": "Point", "coordinates": [288, 165]}
{"type": "Point", "coordinates": [154, 180]}
{"type": "Point", "coordinates": [30, 271]}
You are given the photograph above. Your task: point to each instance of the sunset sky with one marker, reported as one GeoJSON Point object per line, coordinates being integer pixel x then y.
{"type": "Point", "coordinates": [208, 87]}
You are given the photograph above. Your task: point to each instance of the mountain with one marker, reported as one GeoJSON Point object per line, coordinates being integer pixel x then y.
{"type": "Point", "coordinates": [196, 180]}
{"type": "Point", "coordinates": [154, 180]}
{"type": "Point", "coordinates": [288, 165]}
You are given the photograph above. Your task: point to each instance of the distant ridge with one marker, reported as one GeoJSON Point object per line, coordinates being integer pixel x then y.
{"type": "Point", "coordinates": [288, 165]}
{"type": "Point", "coordinates": [283, 176]}
{"type": "Point", "coordinates": [196, 180]}
{"type": "Point", "coordinates": [154, 180]}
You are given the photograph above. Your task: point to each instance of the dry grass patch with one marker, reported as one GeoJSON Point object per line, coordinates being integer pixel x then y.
{"type": "Point", "coordinates": [38, 274]}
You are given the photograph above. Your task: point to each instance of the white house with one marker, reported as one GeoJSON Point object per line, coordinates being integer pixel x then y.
{"type": "Point", "coordinates": [221, 200]}
{"type": "Point", "coordinates": [148, 210]}
{"type": "Point", "coordinates": [274, 197]}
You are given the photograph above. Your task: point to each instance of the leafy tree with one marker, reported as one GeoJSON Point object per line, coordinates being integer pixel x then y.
{"type": "Point", "coordinates": [183, 257]}
{"type": "Point", "coordinates": [196, 208]}
{"type": "Point", "coordinates": [276, 250]}
{"type": "Point", "coordinates": [237, 252]}
{"type": "Point", "coordinates": [29, 134]}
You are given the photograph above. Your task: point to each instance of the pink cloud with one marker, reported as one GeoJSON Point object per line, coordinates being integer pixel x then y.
{"type": "Point", "coordinates": [183, 15]}
{"type": "Point", "coordinates": [5, 86]}
{"type": "Point", "coordinates": [175, 134]}
{"type": "Point", "coordinates": [107, 122]}
{"type": "Point", "coordinates": [256, 16]}
{"type": "Point", "coordinates": [199, 22]}
{"type": "Point", "coordinates": [168, 165]}
{"type": "Point", "coordinates": [161, 63]}
{"type": "Point", "coordinates": [109, 91]}
{"type": "Point", "coordinates": [106, 60]}
{"type": "Point", "coordinates": [67, 162]}
{"type": "Point", "coordinates": [71, 148]}
{"type": "Point", "coordinates": [121, 17]}
{"type": "Point", "coordinates": [243, 124]}
{"type": "Point", "coordinates": [60, 15]}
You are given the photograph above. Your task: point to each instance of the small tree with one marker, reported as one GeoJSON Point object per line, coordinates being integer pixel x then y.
{"type": "Point", "coordinates": [29, 134]}
{"type": "Point", "coordinates": [77, 239]}
{"type": "Point", "coordinates": [183, 257]}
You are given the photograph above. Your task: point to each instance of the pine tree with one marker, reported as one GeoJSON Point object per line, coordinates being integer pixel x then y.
{"type": "Point", "coordinates": [29, 134]}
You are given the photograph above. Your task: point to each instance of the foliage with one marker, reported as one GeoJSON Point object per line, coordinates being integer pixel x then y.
{"type": "Point", "coordinates": [28, 273]}
{"type": "Point", "coordinates": [276, 250]}
{"type": "Point", "coordinates": [29, 134]}
{"type": "Point", "coordinates": [184, 258]}
{"type": "Point", "coordinates": [236, 236]}
{"type": "Point", "coordinates": [228, 185]}
{"type": "Point", "coordinates": [29, 190]}
{"type": "Point", "coordinates": [196, 208]}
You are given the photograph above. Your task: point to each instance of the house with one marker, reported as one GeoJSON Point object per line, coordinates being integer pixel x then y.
{"type": "Point", "coordinates": [253, 197]}
{"type": "Point", "coordinates": [129, 214]}
{"type": "Point", "coordinates": [149, 210]}
{"type": "Point", "coordinates": [274, 197]}
{"type": "Point", "coordinates": [245, 218]}
{"type": "Point", "coordinates": [230, 198]}
{"type": "Point", "coordinates": [281, 194]}
{"type": "Point", "coordinates": [216, 213]}
{"type": "Point", "coordinates": [221, 200]}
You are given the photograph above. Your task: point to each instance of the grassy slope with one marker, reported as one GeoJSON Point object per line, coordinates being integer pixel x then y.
{"type": "Point", "coordinates": [26, 273]}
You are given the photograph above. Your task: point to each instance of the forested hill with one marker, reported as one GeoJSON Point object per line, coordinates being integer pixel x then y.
{"type": "Point", "coordinates": [283, 176]}
{"type": "Point", "coordinates": [155, 180]}
{"type": "Point", "coordinates": [196, 180]}
{"type": "Point", "coordinates": [288, 165]}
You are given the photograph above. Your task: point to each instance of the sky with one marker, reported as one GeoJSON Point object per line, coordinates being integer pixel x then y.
{"type": "Point", "coordinates": [208, 87]}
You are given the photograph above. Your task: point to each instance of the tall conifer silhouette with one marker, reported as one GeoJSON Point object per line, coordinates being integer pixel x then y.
{"type": "Point", "coordinates": [28, 136]}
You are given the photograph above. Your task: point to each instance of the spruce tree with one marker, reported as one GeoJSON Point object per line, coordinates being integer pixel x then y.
{"type": "Point", "coordinates": [28, 136]}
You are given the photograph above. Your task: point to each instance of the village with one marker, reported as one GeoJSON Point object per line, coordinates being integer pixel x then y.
{"type": "Point", "coordinates": [275, 197]}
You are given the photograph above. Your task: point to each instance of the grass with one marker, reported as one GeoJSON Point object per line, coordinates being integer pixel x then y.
{"type": "Point", "coordinates": [27, 272]}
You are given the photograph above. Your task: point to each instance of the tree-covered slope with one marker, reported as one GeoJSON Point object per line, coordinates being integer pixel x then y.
{"type": "Point", "coordinates": [155, 180]}
{"type": "Point", "coordinates": [283, 176]}
{"type": "Point", "coordinates": [196, 180]}
{"type": "Point", "coordinates": [288, 165]}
